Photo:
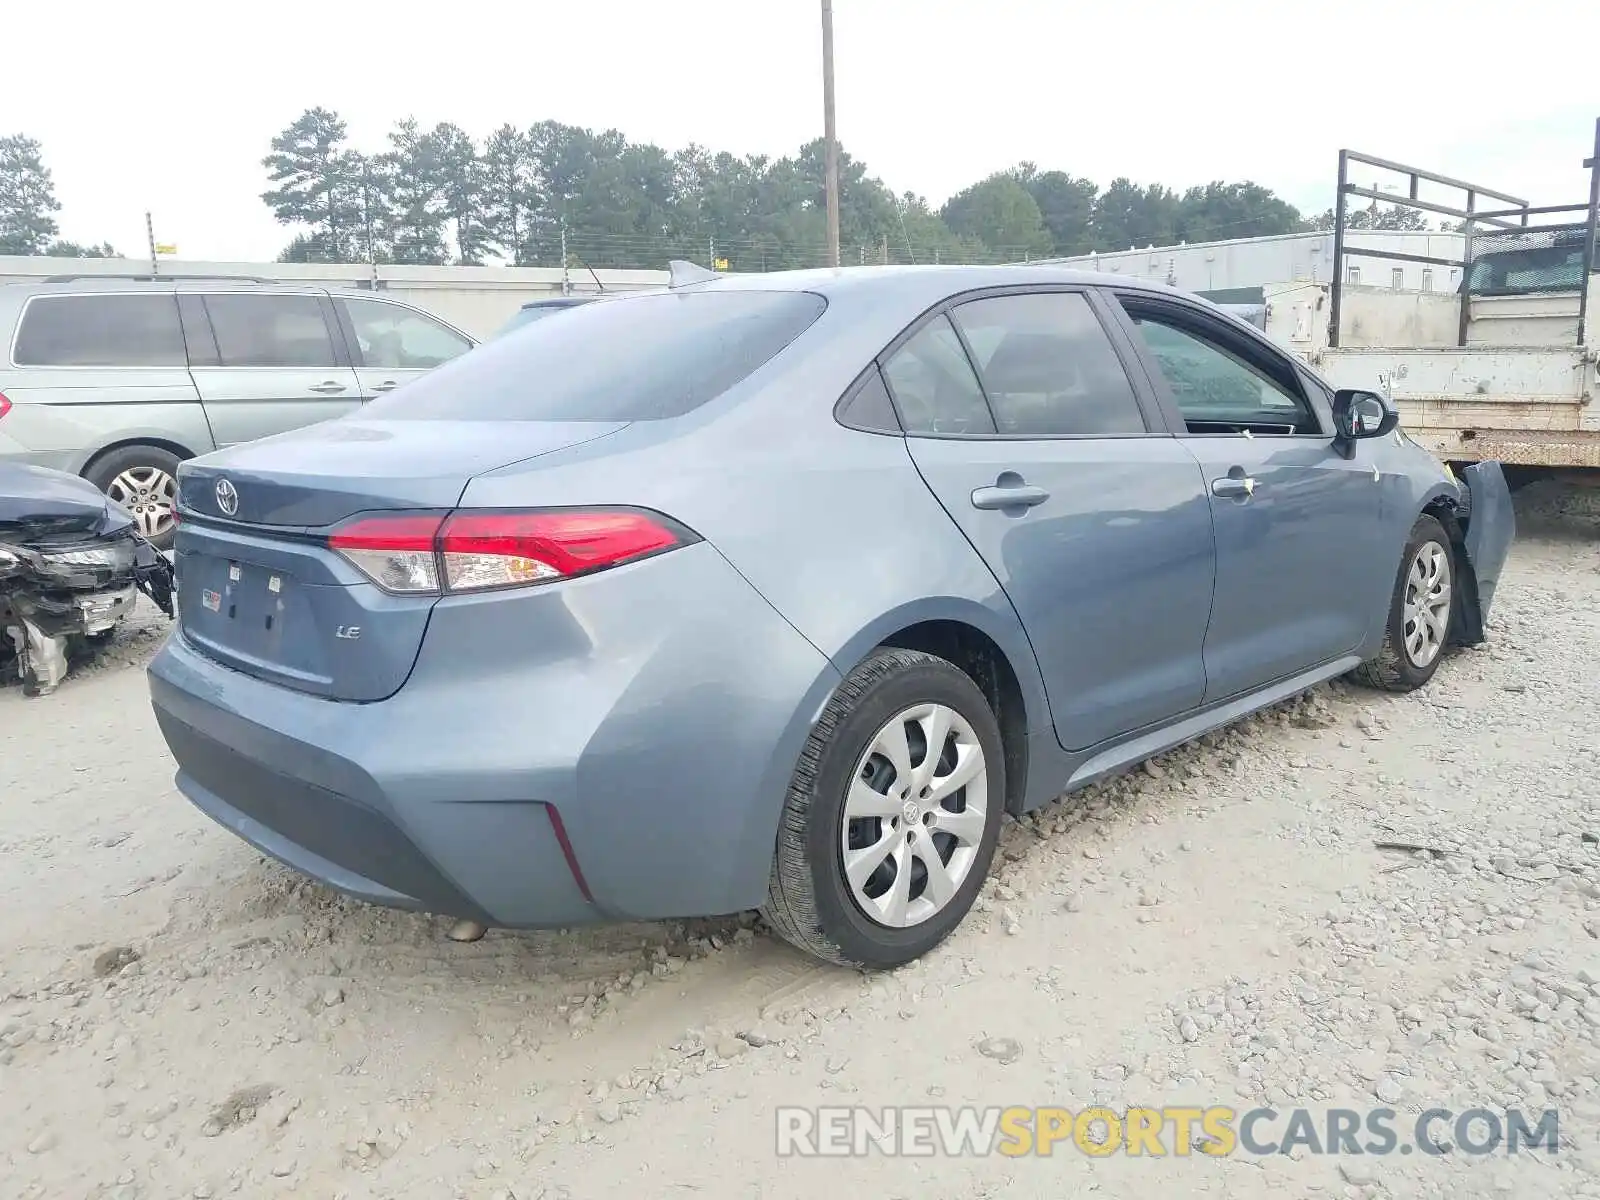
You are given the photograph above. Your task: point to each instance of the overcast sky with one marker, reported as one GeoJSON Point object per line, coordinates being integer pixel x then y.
{"type": "Point", "coordinates": [170, 106]}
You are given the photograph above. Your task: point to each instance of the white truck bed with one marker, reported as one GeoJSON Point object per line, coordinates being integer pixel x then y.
{"type": "Point", "coordinates": [1520, 392]}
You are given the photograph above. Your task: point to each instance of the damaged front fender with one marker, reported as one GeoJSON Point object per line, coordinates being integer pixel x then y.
{"type": "Point", "coordinates": [1482, 524]}
{"type": "Point", "coordinates": [1491, 526]}
{"type": "Point", "coordinates": [72, 566]}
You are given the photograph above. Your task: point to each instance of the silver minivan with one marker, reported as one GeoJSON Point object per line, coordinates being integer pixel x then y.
{"type": "Point", "coordinates": [119, 380]}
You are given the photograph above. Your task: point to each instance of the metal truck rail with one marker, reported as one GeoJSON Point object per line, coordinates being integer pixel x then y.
{"type": "Point", "coordinates": [1503, 366]}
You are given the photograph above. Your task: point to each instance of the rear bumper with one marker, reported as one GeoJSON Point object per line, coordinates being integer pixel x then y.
{"type": "Point", "coordinates": [351, 845]}
{"type": "Point", "coordinates": [611, 748]}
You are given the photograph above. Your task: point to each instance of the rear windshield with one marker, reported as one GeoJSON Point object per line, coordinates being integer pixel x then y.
{"type": "Point", "coordinates": [633, 358]}
{"type": "Point", "coordinates": [527, 316]}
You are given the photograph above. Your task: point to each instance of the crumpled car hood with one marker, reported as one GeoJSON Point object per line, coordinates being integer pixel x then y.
{"type": "Point", "coordinates": [40, 505]}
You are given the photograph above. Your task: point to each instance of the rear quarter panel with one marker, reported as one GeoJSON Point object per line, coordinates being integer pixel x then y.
{"type": "Point", "coordinates": [833, 526]}
{"type": "Point", "coordinates": [71, 414]}
{"type": "Point", "coordinates": [830, 530]}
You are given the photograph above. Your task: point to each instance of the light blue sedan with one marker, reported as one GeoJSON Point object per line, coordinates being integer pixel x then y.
{"type": "Point", "coordinates": [779, 590]}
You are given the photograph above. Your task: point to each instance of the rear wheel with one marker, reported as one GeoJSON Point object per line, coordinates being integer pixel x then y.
{"type": "Point", "coordinates": [892, 815]}
{"type": "Point", "coordinates": [1421, 613]}
{"type": "Point", "coordinates": [144, 480]}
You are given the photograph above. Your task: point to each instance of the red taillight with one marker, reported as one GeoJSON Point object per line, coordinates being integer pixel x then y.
{"type": "Point", "coordinates": [396, 553]}
{"type": "Point", "coordinates": [475, 551]}
{"type": "Point", "coordinates": [5, 405]}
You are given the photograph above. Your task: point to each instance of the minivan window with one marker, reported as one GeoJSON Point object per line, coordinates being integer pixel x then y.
{"type": "Point", "coordinates": [270, 331]}
{"type": "Point", "coordinates": [100, 331]}
{"type": "Point", "coordinates": [633, 358]}
{"type": "Point", "coordinates": [398, 339]}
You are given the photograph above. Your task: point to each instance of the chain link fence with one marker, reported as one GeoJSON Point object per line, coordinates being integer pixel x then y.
{"type": "Point", "coordinates": [754, 254]}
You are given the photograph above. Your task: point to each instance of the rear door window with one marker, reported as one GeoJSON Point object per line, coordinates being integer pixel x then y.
{"type": "Point", "coordinates": [100, 331]}
{"type": "Point", "coordinates": [1048, 367]}
{"type": "Point", "coordinates": [633, 358]}
{"type": "Point", "coordinates": [271, 331]}
{"type": "Point", "coordinates": [934, 387]}
{"type": "Point", "coordinates": [398, 338]}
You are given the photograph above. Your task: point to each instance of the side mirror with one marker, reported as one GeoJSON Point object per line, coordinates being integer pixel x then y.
{"type": "Point", "coordinates": [1360, 414]}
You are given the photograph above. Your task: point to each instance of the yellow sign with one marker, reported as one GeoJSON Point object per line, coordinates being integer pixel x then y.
{"type": "Point", "coordinates": [166, 248]}
{"type": "Point", "coordinates": [720, 264]}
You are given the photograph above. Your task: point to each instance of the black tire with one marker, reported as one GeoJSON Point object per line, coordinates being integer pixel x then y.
{"type": "Point", "coordinates": [105, 469]}
{"type": "Point", "coordinates": [809, 901]}
{"type": "Point", "coordinates": [1393, 669]}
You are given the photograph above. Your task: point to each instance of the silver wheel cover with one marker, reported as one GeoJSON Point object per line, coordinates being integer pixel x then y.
{"type": "Point", "coordinates": [1425, 606]}
{"type": "Point", "coordinates": [914, 816]}
{"type": "Point", "coordinates": [150, 494]}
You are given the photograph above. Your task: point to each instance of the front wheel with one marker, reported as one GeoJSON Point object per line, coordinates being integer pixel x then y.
{"type": "Point", "coordinates": [1421, 613]}
{"type": "Point", "coordinates": [892, 815]}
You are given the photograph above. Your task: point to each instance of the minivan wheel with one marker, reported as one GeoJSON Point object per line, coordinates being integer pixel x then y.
{"type": "Point", "coordinates": [1421, 613]}
{"type": "Point", "coordinates": [892, 815]}
{"type": "Point", "coordinates": [144, 480]}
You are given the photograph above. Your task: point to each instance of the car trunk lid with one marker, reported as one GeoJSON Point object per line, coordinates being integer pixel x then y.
{"type": "Point", "coordinates": [259, 589]}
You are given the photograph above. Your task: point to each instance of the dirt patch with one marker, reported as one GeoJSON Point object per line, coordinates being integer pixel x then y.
{"type": "Point", "coordinates": [238, 1109]}
{"type": "Point", "coordinates": [1353, 900]}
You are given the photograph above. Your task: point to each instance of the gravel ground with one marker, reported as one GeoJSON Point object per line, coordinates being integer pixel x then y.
{"type": "Point", "coordinates": [180, 1018]}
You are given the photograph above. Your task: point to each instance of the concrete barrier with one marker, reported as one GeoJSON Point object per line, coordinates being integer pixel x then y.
{"type": "Point", "coordinates": [476, 299]}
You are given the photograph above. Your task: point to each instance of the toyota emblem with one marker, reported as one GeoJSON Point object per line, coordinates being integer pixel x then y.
{"type": "Point", "coordinates": [227, 498]}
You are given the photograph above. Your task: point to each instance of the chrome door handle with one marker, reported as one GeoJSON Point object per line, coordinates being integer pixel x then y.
{"type": "Point", "coordinates": [1240, 486]}
{"type": "Point", "coordinates": [388, 385]}
{"type": "Point", "coordinates": [329, 388]}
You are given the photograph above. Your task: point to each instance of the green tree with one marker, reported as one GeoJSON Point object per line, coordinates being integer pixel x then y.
{"type": "Point", "coordinates": [315, 185]}
{"type": "Point", "coordinates": [1000, 213]}
{"type": "Point", "coordinates": [412, 176]}
{"type": "Point", "coordinates": [1403, 219]}
{"type": "Point", "coordinates": [923, 237]}
{"type": "Point", "coordinates": [1066, 205]}
{"type": "Point", "coordinates": [431, 197]}
{"type": "Point", "coordinates": [1128, 215]}
{"type": "Point", "coordinates": [27, 197]}
{"type": "Point", "coordinates": [461, 182]}
{"type": "Point", "coordinates": [1233, 210]}
{"type": "Point", "coordinates": [1389, 217]}
{"type": "Point", "coordinates": [623, 209]}
{"type": "Point", "coordinates": [510, 195]}
{"type": "Point", "coordinates": [65, 249]}
{"type": "Point", "coordinates": [563, 158]}
{"type": "Point", "coordinates": [372, 181]}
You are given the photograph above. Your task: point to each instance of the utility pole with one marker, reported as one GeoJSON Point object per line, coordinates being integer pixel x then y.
{"type": "Point", "coordinates": [150, 236]}
{"type": "Point", "coordinates": [831, 183]}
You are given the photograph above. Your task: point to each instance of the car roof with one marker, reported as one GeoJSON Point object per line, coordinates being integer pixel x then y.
{"type": "Point", "coordinates": [918, 285]}
{"type": "Point", "coordinates": [66, 285]}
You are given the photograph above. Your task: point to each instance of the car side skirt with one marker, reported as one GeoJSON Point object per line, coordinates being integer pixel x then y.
{"type": "Point", "coordinates": [1098, 763]}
